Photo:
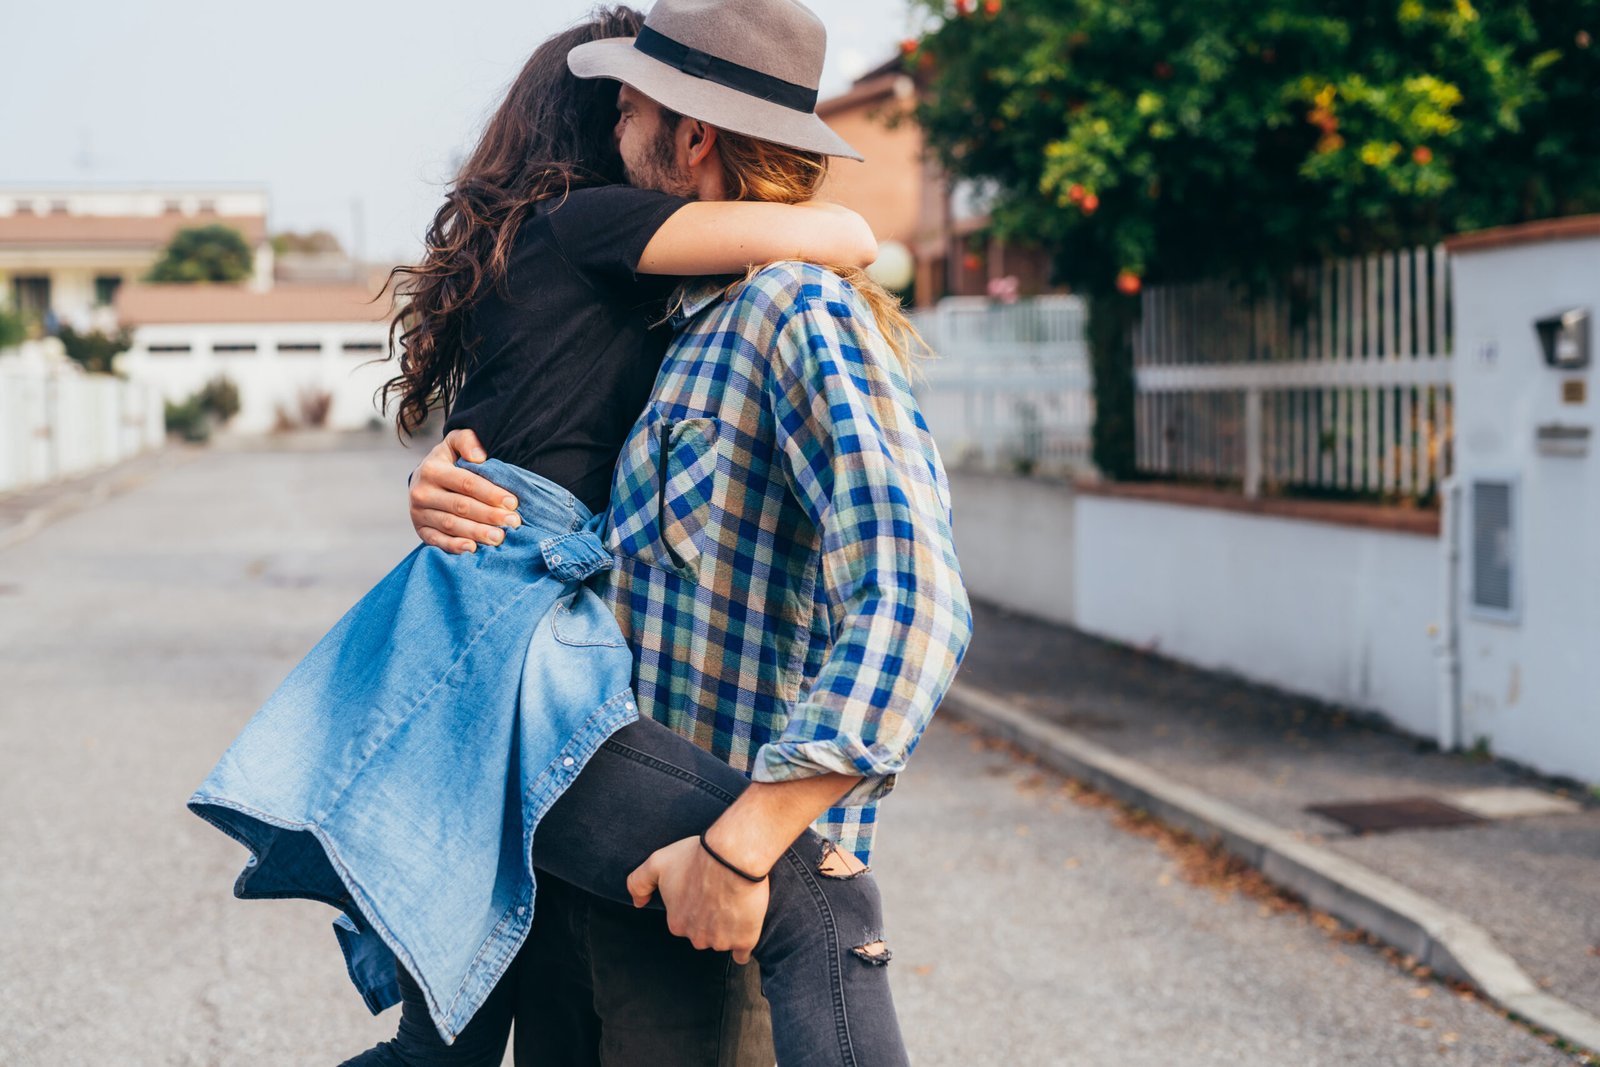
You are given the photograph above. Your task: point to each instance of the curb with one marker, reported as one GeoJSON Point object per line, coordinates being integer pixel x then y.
{"type": "Point", "coordinates": [1444, 940]}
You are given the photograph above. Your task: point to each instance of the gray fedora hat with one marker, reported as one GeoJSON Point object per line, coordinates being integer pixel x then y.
{"type": "Point", "coordinates": [750, 66]}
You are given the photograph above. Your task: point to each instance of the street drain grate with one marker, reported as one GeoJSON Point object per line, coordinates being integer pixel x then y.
{"type": "Point", "coordinates": [1406, 813]}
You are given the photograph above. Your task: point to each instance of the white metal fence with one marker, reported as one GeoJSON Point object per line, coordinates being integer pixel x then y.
{"type": "Point", "coordinates": [1010, 388]}
{"type": "Point", "coordinates": [56, 421]}
{"type": "Point", "coordinates": [1337, 377]}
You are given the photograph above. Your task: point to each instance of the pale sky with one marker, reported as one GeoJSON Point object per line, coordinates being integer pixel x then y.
{"type": "Point", "coordinates": [323, 103]}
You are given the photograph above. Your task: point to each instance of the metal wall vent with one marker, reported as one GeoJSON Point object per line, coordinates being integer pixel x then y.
{"type": "Point", "coordinates": [1493, 572]}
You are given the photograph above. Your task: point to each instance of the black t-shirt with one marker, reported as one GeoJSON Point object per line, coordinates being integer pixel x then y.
{"type": "Point", "coordinates": [558, 371]}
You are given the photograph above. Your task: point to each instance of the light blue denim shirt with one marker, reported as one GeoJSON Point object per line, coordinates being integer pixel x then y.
{"type": "Point", "coordinates": [399, 771]}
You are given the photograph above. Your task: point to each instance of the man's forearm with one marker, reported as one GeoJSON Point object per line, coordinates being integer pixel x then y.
{"type": "Point", "coordinates": [768, 816]}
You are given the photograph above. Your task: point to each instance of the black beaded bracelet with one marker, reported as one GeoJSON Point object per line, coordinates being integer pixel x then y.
{"type": "Point", "coordinates": [713, 854]}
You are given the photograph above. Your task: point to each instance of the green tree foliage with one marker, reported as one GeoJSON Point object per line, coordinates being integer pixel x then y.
{"type": "Point", "coordinates": [1235, 137]}
{"type": "Point", "coordinates": [1155, 140]}
{"type": "Point", "coordinates": [317, 241]}
{"type": "Point", "coordinates": [214, 253]}
{"type": "Point", "coordinates": [95, 350]}
{"type": "Point", "coordinates": [13, 331]}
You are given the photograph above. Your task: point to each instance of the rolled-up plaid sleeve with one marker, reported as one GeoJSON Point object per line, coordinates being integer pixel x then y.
{"type": "Point", "coordinates": [858, 457]}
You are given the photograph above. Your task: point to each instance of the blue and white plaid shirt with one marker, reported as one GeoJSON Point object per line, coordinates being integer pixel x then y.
{"type": "Point", "coordinates": [781, 522]}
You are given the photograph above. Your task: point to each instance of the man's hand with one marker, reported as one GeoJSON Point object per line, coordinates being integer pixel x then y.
{"type": "Point", "coordinates": [707, 903]}
{"type": "Point", "coordinates": [453, 508]}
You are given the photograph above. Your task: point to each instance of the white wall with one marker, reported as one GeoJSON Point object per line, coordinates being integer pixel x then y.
{"type": "Point", "coordinates": [56, 421]}
{"type": "Point", "coordinates": [1014, 537]}
{"type": "Point", "coordinates": [267, 377]}
{"type": "Point", "coordinates": [1336, 612]}
{"type": "Point", "coordinates": [1530, 683]}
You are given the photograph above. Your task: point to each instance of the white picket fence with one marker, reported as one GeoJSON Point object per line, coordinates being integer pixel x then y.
{"type": "Point", "coordinates": [1010, 386]}
{"type": "Point", "coordinates": [1336, 377]}
{"type": "Point", "coordinates": [56, 421]}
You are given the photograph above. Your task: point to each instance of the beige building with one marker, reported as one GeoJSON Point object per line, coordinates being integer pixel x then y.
{"type": "Point", "coordinates": [909, 199]}
{"type": "Point", "coordinates": [292, 332]}
{"type": "Point", "coordinates": [66, 252]}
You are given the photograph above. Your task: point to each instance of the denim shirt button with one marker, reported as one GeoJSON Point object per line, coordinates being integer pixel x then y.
{"type": "Point", "coordinates": [569, 761]}
{"type": "Point", "coordinates": [521, 910]}
{"type": "Point", "coordinates": [250, 861]}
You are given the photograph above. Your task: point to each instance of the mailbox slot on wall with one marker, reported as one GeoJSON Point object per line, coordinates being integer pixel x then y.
{"type": "Point", "coordinates": [1564, 337]}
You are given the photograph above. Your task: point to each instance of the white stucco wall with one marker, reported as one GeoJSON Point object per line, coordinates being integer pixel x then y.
{"type": "Point", "coordinates": [1014, 538]}
{"type": "Point", "coordinates": [1530, 683]}
{"type": "Point", "coordinates": [1337, 612]}
{"type": "Point", "coordinates": [267, 377]}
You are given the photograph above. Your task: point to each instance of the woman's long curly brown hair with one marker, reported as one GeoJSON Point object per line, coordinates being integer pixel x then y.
{"type": "Point", "coordinates": [753, 169]}
{"type": "Point", "coordinates": [552, 132]}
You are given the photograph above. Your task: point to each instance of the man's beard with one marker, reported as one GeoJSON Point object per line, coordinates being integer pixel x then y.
{"type": "Point", "coordinates": [659, 168]}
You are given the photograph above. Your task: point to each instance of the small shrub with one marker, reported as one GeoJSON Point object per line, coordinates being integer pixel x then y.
{"type": "Point", "coordinates": [315, 404]}
{"type": "Point", "coordinates": [93, 349]}
{"type": "Point", "coordinates": [220, 397]}
{"type": "Point", "coordinates": [188, 419]}
{"type": "Point", "coordinates": [282, 421]}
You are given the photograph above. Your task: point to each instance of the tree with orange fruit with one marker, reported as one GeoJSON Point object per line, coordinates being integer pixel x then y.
{"type": "Point", "coordinates": [1144, 140]}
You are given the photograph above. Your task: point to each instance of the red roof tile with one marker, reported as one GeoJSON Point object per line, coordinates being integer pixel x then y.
{"type": "Point", "coordinates": [142, 305]}
{"type": "Point", "coordinates": [152, 231]}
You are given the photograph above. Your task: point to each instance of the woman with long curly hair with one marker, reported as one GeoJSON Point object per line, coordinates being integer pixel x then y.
{"type": "Point", "coordinates": [401, 771]}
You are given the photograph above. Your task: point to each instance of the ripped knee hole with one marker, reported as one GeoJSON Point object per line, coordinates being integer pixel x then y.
{"type": "Point", "coordinates": [874, 952]}
{"type": "Point", "coordinates": [837, 863]}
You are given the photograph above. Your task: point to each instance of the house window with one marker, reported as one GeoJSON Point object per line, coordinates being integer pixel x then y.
{"type": "Point", "coordinates": [172, 207]}
{"type": "Point", "coordinates": [357, 347]}
{"type": "Point", "coordinates": [168, 350]}
{"type": "Point", "coordinates": [30, 295]}
{"type": "Point", "coordinates": [23, 207]}
{"type": "Point", "coordinates": [238, 348]}
{"type": "Point", "coordinates": [105, 289]}
{"type": "Point", "coordinates": [208, 207]}
{"type": "Point", "coordinates": [300, 347]}
{"type": "Point", "coordinates": [58, 207]}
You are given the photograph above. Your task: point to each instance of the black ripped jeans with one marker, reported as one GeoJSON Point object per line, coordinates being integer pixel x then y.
{"type": "Point", "coordinates": [821, 950]}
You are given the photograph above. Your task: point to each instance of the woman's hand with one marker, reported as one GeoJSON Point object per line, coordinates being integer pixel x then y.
{"type": "Point", "coordinates": [453, 508]}
{"type": "Point", "coordinates": [856, 244]}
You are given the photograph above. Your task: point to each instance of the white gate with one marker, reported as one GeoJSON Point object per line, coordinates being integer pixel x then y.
{"type": "Point", "coordinates": [1335, 378]}
{"type": "Point", "coordinates": [1010, 386]}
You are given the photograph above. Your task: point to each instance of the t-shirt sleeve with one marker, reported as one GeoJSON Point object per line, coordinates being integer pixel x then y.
{"type": "Point", "coordinates": [604, 231]}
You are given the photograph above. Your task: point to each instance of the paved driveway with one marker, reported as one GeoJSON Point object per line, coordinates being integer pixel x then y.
{"type": "Point", "coordinates": [137, 635]}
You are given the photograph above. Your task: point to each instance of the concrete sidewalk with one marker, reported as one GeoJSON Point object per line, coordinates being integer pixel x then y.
{"type": "Point", "coordinates": [24, 512]}
{"type": "Point", "coordinates": [1511, 904]}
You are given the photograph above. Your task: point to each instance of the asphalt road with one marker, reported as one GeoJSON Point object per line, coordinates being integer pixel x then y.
{"type": "Point", "coordinates": [138, 634]}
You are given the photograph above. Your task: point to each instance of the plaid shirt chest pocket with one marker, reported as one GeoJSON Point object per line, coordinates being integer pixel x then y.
{"type": "Point", "coordinates": [669, 470]}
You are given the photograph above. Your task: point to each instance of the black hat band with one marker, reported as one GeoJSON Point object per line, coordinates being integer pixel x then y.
{"type": "Point", "coordinates": [746, 80]}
